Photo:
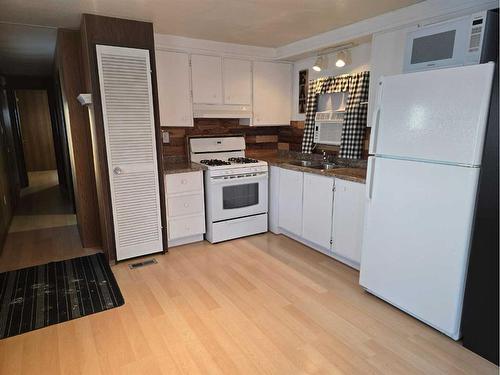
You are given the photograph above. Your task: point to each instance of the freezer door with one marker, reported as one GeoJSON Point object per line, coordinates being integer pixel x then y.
{"type": "Point", "coordinates": [416, 238]}
{"type": "Point", "coordinates": [438, 115]}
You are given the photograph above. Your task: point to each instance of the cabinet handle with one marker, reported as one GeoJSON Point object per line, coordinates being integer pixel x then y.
{"type": "Point", "coordinates": [183, 181]}
{"type": "Point", "coordinates": [117, 171]}
{"type": "Point", "coordinates": [369, 177]}
{"type": "Point", "coordinates": [186, 205]}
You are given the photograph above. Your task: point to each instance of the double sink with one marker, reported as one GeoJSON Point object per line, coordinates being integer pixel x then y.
{"type": "Point", "coordinates": [315, 164]}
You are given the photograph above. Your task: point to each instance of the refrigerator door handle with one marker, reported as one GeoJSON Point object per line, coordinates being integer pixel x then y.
{"type": "Point", "coordinates": [369, 177]}
{"type": "Point", "coordinates": [373, 138]}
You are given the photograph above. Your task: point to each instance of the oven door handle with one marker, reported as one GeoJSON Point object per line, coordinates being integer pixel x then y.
{"type": "Point", "coordinates": [245, 179]}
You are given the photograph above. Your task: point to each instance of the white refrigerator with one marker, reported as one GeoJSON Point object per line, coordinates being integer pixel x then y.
{"type": "Point", "coordinates": [426, 146]}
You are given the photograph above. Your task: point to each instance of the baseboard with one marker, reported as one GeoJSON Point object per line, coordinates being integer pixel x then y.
{"type": "Point", "coordinates": [185, 240]}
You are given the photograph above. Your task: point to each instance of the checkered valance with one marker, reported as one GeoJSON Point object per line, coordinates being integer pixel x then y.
{"type": "Point", "coordinates": [353, 129]}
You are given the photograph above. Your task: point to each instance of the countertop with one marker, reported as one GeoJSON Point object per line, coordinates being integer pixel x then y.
{"type": "Point", "coordinates": [172, 167]}
{"type": "Point", "coordinates": [344, 173]}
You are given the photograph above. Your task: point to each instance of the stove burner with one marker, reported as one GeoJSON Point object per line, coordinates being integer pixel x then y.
{"type": "Point", "coordinates": [214, 162]}
{"type": "Point", "coordinates": [242, 160]}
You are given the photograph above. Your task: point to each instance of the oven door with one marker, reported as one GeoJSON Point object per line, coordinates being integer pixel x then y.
{"type": "Point", "coordinates": [238, 197]}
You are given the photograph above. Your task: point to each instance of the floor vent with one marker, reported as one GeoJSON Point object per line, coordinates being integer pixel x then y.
{"type": "Point", "coordinates": [142, 264]}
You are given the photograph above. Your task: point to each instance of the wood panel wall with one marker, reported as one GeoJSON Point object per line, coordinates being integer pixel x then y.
{"type": "Point", "coordinates": [124, 33]}
{"type": "Point", "coordinates": [259, 140]}
{"type": "Point", "coordinates": [68, 69]}
{"type": "Point", "coordinates": [36, 127]}
{"type": "Point", "coordinates": [9, 177]}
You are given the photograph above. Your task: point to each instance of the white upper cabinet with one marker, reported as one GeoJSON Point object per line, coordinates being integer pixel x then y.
{"type": "Point", "coordinates": [272, 93]}
{"type": "Point", "coordinates": [206, 74]}
{"type": "Point", "coordinates": [237, 79]}
{"type": "Point", "coordinates": [386, 59]}
{"type": "Point", "coordinates": [174, 88]}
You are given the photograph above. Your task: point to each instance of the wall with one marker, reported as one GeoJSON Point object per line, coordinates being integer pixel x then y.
{"type": "Point", "coordinates": [9, 178]}
{"type": "Point", "coordinates": [36, 127]}
{"type": "Point", "coordinates": [360, 56]}
{"type": "Point", "coordinates": [260, 141]}
{"type": "Point", "coordinates": [74, 118]}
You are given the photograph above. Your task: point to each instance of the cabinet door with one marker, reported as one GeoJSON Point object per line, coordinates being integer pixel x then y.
{"type": "Point", "coordinates": [317, 209]}
{"type": "Point", "coordinates": [174, 88]}
{"type": "Point", "coordinates": [387, 54]}
{"type": "Point", "coordinates": [348, 218]}
{"type": "Point", "coordinates": [290, 201]}
{"type": "Point", "coordinates": [274, 194]}
{"type": "Point", "coordinates": [237, 78]}
{"type": "Point", "coordinates": [272, 93]}
{"type": "Point", "coordinates": [206, 74]}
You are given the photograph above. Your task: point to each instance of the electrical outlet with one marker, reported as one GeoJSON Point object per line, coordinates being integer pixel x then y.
{"type": "Point", "coordinates": [166, 137]}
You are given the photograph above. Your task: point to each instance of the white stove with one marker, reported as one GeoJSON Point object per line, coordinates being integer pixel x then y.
{"type": "Point", "coordinates": [236, 187]}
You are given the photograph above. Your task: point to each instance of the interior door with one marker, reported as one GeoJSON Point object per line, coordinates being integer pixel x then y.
{"type": "Point", "coordinates": [436, 115]}
{"type": "Point", "coordinates": [416, 238]}
{"type": "Point", "coordinates": [36, 128]}
{"type": "Point", "coordinates": [126, 95]}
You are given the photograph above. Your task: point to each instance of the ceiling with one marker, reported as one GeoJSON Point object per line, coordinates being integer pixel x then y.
{"type": "Point", "coordinates": [27, 50]}
{"type": "Point", "coordinates": [266, 23]}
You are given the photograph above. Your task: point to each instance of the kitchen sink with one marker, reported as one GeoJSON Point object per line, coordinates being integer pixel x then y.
{"type": "Point", "coordinates": [306, 163]}
{"type": "Point", "coordinates": [314, 164]}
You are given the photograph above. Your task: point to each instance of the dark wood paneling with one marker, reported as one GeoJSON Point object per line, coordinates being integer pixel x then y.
{"type": "Point", "coordinates": [259, 140]}
{"type": "Point", "coordinates": [36, 128]}
{"type": "Point", "coordinates": [125, 33]}
{"type": "Point", "coordinates": [68, 65]}
{"type": "Point", "coordinates": [9, 180]}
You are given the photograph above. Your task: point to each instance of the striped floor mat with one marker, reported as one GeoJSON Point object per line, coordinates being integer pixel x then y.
{"type": "Point", "coordinates": [52, 293]}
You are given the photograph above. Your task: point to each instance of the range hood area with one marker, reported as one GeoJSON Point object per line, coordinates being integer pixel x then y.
{"type": "Point", "coordinates": [242, 112]}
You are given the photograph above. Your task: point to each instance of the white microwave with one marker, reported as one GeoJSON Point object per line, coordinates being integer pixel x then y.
{"type": "Point", "coordinates": [461, 41]}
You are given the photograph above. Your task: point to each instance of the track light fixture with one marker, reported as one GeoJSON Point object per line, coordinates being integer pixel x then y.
{"type": "Point", "coordinates": [321, 63]}
{"type": "Point", "coordinates": [343, 58]}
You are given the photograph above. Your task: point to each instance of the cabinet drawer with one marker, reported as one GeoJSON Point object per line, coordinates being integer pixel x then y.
{"type": "Point", "coordinates": [185, 205]}
{"type": "Point", "coordinates": [184, 182]}
{"type": "Point", "coordinates": [179, 228]}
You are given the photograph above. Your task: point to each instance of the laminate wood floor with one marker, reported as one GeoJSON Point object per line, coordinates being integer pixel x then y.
{"type": "Point", "coordinates": [259, 305]}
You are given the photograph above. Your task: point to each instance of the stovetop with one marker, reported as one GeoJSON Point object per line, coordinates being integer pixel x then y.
{"type": "Point", "coordinates": [214, 162]}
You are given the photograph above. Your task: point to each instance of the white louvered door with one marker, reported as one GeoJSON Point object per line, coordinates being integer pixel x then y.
{"type": "Point", "coordinates": [127, 104]}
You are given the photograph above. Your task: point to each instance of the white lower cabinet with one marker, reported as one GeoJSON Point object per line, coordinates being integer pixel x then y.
{"type": "Point", "coordinates": [290, 201]}
{"type": "Point", "coordinates": [185, 207]}
{"type": "Point", "coordinates": [325, 213]}
{"type": "Point", "coordinates": [317, 209]}
{"type": "Point", "coordinates": [348, 218]}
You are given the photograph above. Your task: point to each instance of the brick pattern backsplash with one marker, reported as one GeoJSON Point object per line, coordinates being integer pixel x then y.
{"type": "Point", "coordinates": [260, 140]}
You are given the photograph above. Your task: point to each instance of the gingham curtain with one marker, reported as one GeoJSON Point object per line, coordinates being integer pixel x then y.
{"type": "Point", "coordinates": [353, 129]}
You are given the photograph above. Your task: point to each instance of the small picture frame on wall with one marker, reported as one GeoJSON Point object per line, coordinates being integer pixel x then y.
{"type": "Point", "coordinates": [303, 87]}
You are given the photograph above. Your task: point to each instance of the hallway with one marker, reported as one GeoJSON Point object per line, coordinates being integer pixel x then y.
{"type": "Point", "coordinates": [43, 228]}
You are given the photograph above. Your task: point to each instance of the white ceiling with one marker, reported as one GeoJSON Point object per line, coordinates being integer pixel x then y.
{"type": "Point", "coordinates": [267, 23]}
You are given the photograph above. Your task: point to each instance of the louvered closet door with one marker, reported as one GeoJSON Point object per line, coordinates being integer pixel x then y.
{"type": "Point", "coordinates": [126, 95]}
